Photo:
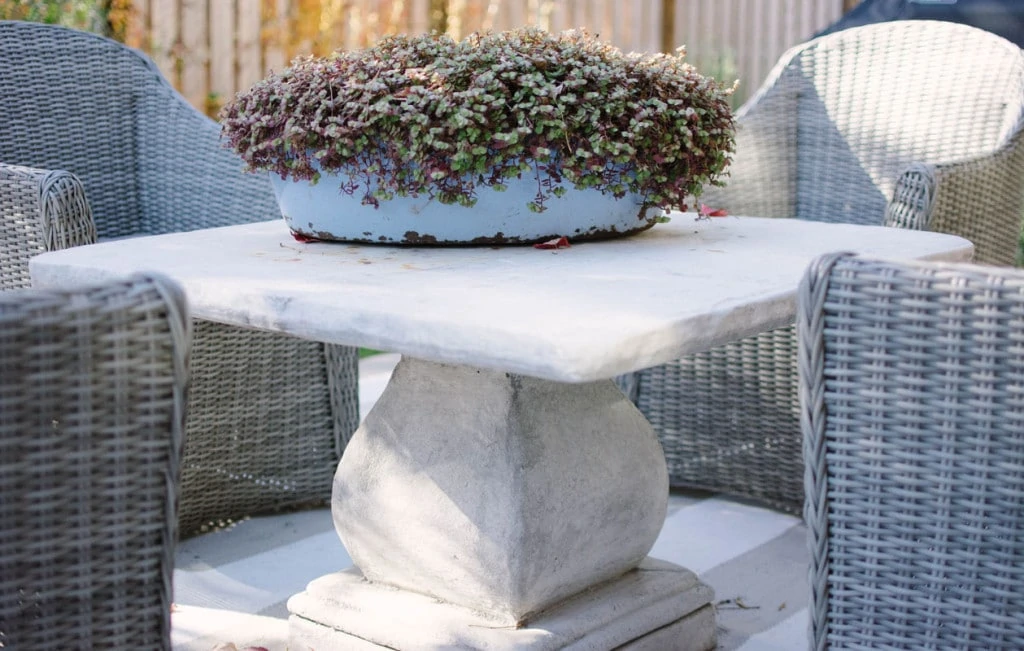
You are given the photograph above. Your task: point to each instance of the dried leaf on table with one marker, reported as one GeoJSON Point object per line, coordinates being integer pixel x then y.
{"type": "Point", "coordinates": [707, 211]}
{"type": "Point", "coordinates": [556, 243]}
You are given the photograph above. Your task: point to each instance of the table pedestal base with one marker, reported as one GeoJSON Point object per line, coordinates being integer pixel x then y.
{"type": "Point", "coordinates": [658, 606]}
{"type": "Point", "coordinates": [485, 509]}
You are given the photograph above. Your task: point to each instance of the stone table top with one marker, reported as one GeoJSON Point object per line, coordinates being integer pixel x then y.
{"type": "Point", "coordinates": [591, 311]}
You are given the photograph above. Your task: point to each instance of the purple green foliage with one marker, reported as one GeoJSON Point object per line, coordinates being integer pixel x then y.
{"type": "Point", "coordinates": [430, 116]}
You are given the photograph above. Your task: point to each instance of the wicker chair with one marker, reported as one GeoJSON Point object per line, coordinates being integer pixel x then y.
{"type": "Point", "coordinates": [912, 394]}
{"type": "Point", "coordinates": [269, 414]}
{"type": "Point", "coordinates": [92, 415]}
{"type": "Point", "coordinates": [914, 124]}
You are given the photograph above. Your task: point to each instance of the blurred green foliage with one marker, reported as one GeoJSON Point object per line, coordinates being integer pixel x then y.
{"type": "Point", "coordinates": [89, 15]}
{"type": "Point", "coordinates": [720, 64]}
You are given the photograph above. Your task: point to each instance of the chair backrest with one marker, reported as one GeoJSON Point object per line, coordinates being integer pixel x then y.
{"type": "Point", "coordinates": [912, 401]}
{"type": "Point", "coordinates": [841, 116]}
{"type": "Point", "coordinates": [149, 161]}
{"type": "Point", "coordinates": [92, 409]}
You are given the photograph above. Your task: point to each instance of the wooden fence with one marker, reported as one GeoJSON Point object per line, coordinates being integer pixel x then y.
{"type": "Point", "coordinates": [210, 49]}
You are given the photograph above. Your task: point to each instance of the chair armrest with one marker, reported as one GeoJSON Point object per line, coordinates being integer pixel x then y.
{"type": "Point", "coordinates": [913, 199]}
{"type": "Point", "coordinates": [40, 210]}
{"type": "Point", "coordinates": [979, 198]}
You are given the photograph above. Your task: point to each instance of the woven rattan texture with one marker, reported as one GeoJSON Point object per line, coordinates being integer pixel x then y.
{"type": "Point", "coordinates": [253, 454]}
{"type": "Point", "coordinates": [934, 108]}
{"type": "Point", "coordinates": [269, 422]}
{"type": "Point", "coordinates": [912, 386]}
{"type": "Point", "coordinates": [92, 412]}
{"type": "Point", "coordinates": [726, 419]}
{"type": "Point", "coordinates": [39, 211]}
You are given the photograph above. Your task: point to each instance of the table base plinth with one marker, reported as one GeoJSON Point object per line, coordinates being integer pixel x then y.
{"type": "Point", "coordinates": [656, 606]}
{"type": "Point", "coordinates": [485, 509]}
{"type": "Point", "coordinates": [500, 493]}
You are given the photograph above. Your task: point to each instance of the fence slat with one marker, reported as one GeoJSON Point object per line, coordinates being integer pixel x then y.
{"type": "Point", "coordinates": [273, 33]}
{"type": "Point", "coordinates": [137, 31]}
{"type": "Point", "coordinates": [222, 52]}
{"type": "Point", "coordinates": [195, 23]}
{"type": "Point", "coordinates": [163, 44]}
{"type": "Point", "coordinates": [218, 47]}
{"type": "Point", "coordinates": [420, 12]}
{"type": "Point", "coordinates": [248, 26]}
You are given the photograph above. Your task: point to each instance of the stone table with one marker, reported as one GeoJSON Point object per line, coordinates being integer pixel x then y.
{"type": "Point", "coordinates": [503, 493]}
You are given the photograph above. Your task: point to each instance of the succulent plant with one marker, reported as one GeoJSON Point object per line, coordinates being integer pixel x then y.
{"type": "Point", "coordinates": [428, 115]}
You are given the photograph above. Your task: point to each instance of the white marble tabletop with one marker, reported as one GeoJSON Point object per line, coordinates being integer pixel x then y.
{"type": "Point", "coordinates": [591, 311]}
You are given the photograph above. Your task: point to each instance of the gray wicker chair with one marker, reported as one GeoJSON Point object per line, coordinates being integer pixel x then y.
{"type": "Point", "coordinates": [912, 394]}
{"type": "Point", "coordinates": [914, 124]}
{"type": "Point", "coordinates": [269, 414]}
{"type": "Point", "coordinates": [92, 416]}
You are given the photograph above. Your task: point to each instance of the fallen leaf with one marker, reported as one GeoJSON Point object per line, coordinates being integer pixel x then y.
{"type": "Point", "coordinates": [707, 211]}
{"type": "Point", "coordinates": [556, 243]}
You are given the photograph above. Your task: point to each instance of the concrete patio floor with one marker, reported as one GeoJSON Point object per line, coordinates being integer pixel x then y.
{"type": "Point", "coordinates": [231, 586]}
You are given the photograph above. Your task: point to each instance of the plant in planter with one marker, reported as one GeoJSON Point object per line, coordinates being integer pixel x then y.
{"type": "Point", "coordinates": [515, 136]}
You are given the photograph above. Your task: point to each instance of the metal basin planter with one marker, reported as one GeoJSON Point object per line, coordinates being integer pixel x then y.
{"type": "Point", "coordinates": [513, 137]}
{"type": "Point", "coordinates": [322, 211]}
